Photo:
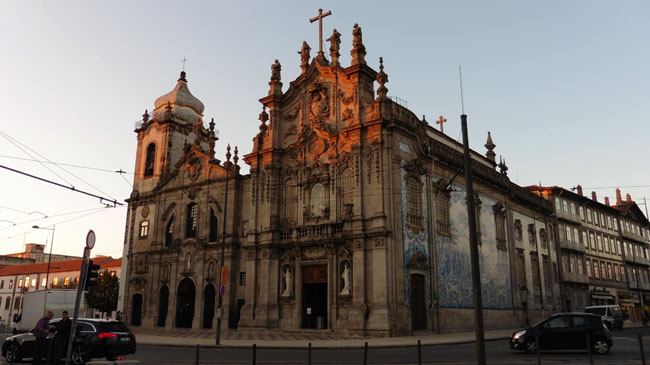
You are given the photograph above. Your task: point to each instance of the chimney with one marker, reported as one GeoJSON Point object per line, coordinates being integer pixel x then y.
{"type": "Point", "coordinates": [618, 197]}
{"type": "Point", "coordinates": [628, 198]}
{"type": "Point", "coordinates": [593, 196]}
{"type": "Point", "coordinates": [607, 201]}
{"type": "Point", "coordinates": [580, 190]}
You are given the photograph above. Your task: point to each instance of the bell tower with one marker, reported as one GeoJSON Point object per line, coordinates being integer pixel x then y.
{"type": "Point", "coordinates": [163, 138]}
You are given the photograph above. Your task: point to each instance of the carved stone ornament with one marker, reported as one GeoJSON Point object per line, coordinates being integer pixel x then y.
{"type": "Point", "coordinates": [418, 262]}
{"type": "Point", "coordinates": [314, 253]}
{"type": "Point", "coordinates": [194, 168]}
{"type": "Point", "coordinates": [319, 109]}
{"type": "Point", "coordinates": [145, 211]}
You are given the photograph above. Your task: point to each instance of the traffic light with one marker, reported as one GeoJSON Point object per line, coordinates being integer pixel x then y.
{"type": "Point", "coordinates": [91, 275]}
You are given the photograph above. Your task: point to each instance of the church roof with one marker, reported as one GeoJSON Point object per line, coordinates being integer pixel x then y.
{"type": "Point", "coordinates": [184, 105]}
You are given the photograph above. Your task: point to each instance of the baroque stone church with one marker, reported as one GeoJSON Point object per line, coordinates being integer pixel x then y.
{"type": "Point", "coordinates": [352, 218]}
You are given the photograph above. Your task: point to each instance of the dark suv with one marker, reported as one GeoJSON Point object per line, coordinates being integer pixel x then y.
{"type": "Point", "coordinates": [95, 338]}
{"type": "Point", "coordinates": [564, 331]}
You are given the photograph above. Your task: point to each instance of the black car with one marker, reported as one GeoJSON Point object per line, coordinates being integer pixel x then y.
{"type": "Point", "coordinates": [95, 338]}
{"type": "Point", "coordinates": [564, 331]}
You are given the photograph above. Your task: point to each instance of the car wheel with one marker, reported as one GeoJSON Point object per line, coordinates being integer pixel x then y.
{"type": "Point", "coordinates": [111, 358]}
{"type": "Point", "coordinates": [79, 355]}
{"type": "Point", "coordinates": [13, 353]}
{"type": "Point", "coordinates": [601, 347]}
{"type": "Point", "coordinates": [530, 346]}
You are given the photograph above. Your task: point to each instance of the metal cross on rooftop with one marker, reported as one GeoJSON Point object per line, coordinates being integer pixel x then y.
{"type": "Point", "coordinates": [184, 59]}
{"type": "Point", "coordinates": [320, 17]}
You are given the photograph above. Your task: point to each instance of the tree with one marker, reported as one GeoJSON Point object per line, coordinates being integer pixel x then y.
{"type": "Point", "coordinates": [103, 297]}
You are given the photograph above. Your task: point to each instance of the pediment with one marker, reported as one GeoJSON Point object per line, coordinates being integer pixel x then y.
{"type": "Point", "coordinates": [193, 167]}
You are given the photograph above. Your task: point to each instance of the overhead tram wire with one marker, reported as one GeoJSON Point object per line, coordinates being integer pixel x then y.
{"type": "Point", "coordinates": [14, 141]}
{"type": "Point", "coordinates": [101, 198]}
{"type": "Point", "coordinates": [58, 215]}
{"type": "Point", "coordinates": [67, 164]}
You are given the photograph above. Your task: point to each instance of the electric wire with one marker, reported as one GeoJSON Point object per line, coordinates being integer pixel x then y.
{"type": "Point", "coordinates": [67, 164]}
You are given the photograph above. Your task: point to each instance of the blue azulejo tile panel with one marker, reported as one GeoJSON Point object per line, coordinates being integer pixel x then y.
{"type": "Point", "coordinates": [415, 242]}
{"type": "Point", "coordinates": [453, 264]}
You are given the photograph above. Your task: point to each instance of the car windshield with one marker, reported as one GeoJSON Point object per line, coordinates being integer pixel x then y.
{"type": "Point", "coordinates": [597, 311]}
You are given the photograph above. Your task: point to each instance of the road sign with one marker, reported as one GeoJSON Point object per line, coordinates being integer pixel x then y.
{"type": "Point", "coordinates": [90, 239]}
{"type": "Point", "coordinates": [224, 275]}
{"type": "Point", "coordinates": [222, 290]}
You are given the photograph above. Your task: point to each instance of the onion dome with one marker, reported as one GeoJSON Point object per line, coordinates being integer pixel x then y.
{"type": "Point", "coordinates": [182, 103]}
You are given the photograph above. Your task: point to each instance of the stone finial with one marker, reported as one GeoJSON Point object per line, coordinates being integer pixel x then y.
{"type": "Point", "coordinates": [358, 49]}
{"type": "Point", "coordinates": [264, 116]}
{"type": "Point", "coordinates": [593, 196]}
{"type": "Point", "coordinates": [607, 201]}
{"type": "Point", "coordinates": [236, 158]}
{"type": "Point", "coordinates": [628, 198]}
{"type": "Point", "coordinates": [228, 154]}
{"type": "Point", "coordinates": [503, 168]}
{"type": "Point", "coordinates": [145, 116]}
{"type": "Point", "coordinates": [182, 78]}
{"type": "Point", "coordinates": [335, 46]}
{"type": "Point", "coordinates": [579, 187]}
{"type": "Point", "coordinates": [382, 78]}
{"type": "Point", "coordinates": [304, 56]}
{"type": "Point", "coordinates": [213, 138]}
{"type": "Point", "coordinates": [490, 149]}
{"type": "Point", "coordinates": [618, 197]}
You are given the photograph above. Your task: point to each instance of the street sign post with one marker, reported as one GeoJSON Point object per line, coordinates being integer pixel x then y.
{"type": "Point", "coordinates": [90, 243]}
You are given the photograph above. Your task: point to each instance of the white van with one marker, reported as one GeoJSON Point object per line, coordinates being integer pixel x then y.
{"type": "Point", "coordinates": [611, 314]}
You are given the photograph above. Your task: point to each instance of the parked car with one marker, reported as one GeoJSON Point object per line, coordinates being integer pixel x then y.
{"type": "Point", "coordinates": [611, 314]}
{"type": "Point", "coordinates": [95, 338]}
{"type": "Point", "coordinates": [564, 331]}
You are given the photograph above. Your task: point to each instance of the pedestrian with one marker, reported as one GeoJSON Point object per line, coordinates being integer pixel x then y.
{"type": "Point", "coordinates": [40, 333]}
{"type": "Point", "coordinates": [118, 316]}
{"type": "Point", "coordinates": [62, 337]}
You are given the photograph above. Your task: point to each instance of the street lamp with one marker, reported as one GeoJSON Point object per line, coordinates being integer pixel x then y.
{"type": "Point", "coordinates": [226, 165]}
{"type": "Point", "coordinates": [49, 261]}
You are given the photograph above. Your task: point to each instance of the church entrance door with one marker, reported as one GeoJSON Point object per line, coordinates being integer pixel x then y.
{"type": "Point", "coordinates": [163, 303]}
{"type": "Point", "coordinates": [314, 296]}
{"type": "Point", "coordinates": [185, 303]}
{"type": "Point", "coordinates": [418, 305]}
{"type": "Point", "coordinates": [208, 305]}
{"type": "Point", "coordinates": [136, 310]}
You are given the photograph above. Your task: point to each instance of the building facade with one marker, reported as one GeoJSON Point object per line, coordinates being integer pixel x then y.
{"type": "Point", "coordinates": [353, 216]}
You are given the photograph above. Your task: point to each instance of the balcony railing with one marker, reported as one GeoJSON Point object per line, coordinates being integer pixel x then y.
{"type": "Point", "coordinates": [570, 217]}
{"type": "Point", "coordinates": [312, 232]}
{"type": "Point", "coordinates": [575, 277]}
{"type": "Point", "coordinates": [572, 246]}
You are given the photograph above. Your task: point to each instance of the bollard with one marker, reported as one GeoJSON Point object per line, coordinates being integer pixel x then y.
{"type": "Point", "coordinates": [539, 354]}
{"type": "Point", "coordinates": [639, 336]}
{"type": "Point", "coordinates": [254, 353]}
{"type": "Point", "coordinates": [365, 354]}
{"type": "Point", "coordinates": [419, 353]}
{"type": "Point", "coordinates": [197, 354]}
{"type": "Point", "coordinates": [309, 354]}
{"type": "Point", "coordinates": [591, 355]}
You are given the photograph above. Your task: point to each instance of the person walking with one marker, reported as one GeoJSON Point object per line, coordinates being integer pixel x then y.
{"type": "Point", "coordinates": [62, 336]}
{"type": "Point", "coordinates": [40, 333]}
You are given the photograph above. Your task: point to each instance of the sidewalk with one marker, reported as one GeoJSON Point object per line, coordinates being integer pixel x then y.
{"type": "Point", "coordinates": [301, 339]}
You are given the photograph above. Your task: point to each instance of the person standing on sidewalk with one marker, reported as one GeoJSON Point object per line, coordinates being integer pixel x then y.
{"type": "Point", "coordinates": [62, 336]}
{"type": "Point", "coordinates": [40, 333]}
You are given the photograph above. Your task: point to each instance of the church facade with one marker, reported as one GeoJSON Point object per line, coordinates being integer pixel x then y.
{"type": "Point", "coordinates": [353, 217]}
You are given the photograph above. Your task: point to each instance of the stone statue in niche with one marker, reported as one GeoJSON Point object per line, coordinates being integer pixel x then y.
{"type": "Point", "coordinates": [346, 279]}
{"type": "Point", "coordinates": [211, 271]}
{"type": "Point", "coordinates": [188, 262]}
{"type": "Point", "coordinates": [286, 276]}
{"type": "Point", "coordinates": [165, 273]}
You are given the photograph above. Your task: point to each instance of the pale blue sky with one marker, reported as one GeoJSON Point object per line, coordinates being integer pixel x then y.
{"type": "Point", "coordinates": [564, 87]}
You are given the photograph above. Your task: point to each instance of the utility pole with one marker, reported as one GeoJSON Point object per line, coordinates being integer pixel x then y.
{"type": "Point", "coordinates": [473, 249]}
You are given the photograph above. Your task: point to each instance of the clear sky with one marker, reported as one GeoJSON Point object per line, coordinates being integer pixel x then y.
{"type": "Point", "coordinates": [564, 87]}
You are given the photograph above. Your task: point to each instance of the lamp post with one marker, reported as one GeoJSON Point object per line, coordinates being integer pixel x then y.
{"type": "Point", "coordinates": [49, 262]}
{"type": "Point", "coordinates": [223, 239]}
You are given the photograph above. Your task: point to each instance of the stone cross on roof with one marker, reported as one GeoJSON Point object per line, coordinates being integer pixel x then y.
{"type": "Point", "coordinates": [440, 121]}
{"type": "Point", "coordinates": [320, 17]}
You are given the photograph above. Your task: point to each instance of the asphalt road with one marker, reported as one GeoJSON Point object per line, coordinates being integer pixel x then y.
{"type": "Point", "coordinates": [624, 351]}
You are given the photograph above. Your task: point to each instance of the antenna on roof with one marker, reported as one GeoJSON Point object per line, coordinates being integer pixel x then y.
{"type": "Point", "coordinates": [462, 102]}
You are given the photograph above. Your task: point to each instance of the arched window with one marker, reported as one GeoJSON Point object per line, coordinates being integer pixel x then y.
{"type": "Point", "coordinates": [289, 201]}
{"type": "Point", "coordinates": [144, 229]}
{"type": "Point", "coordinates": [317, 201]}
{"type": "Point", "coordinates": [347, 186]}
{"type": "Point", "coordinates": [149, 164]}
{"type": "Point", "coordinates": [414, 216]}
{"type": "Point", "coordinates": [192, 220]}
{"type": "Point", "coordinates": [17, 303]}
{"type": "Point", "coordinates": [169, 231]}
{"type": "Point", "coordinates": [214, 226]}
